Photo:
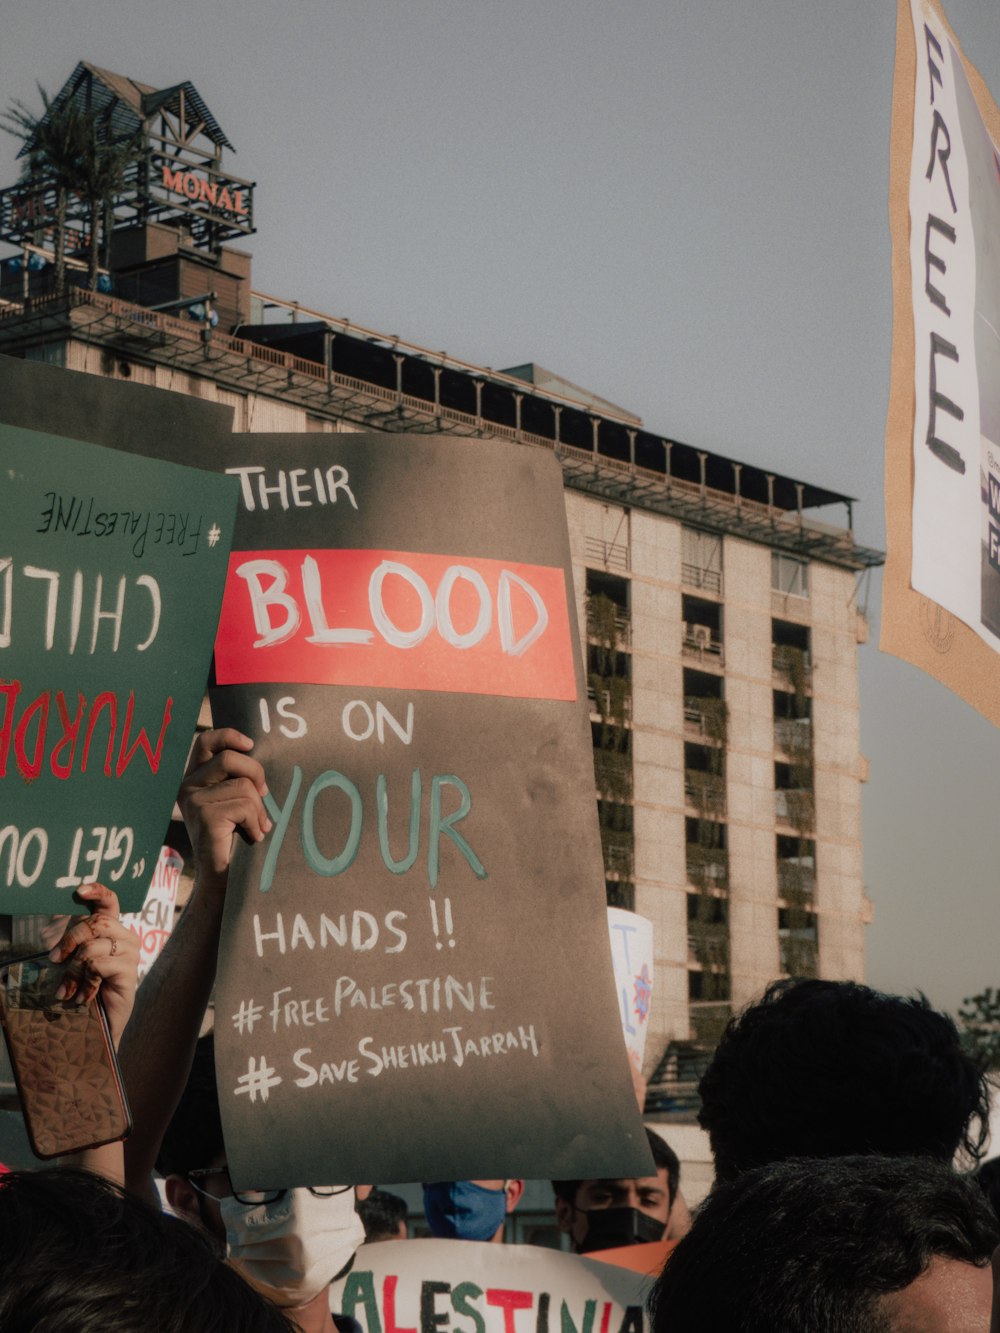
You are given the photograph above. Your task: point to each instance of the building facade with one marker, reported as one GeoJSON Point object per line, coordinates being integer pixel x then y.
{"type": "Point", "coordinates": [718, 617]}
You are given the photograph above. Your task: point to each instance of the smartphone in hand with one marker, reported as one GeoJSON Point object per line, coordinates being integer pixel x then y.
{"type": "Point", "coordinates": [63, 1060]}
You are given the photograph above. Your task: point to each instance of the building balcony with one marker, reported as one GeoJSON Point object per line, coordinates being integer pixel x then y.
{"type": "Point", "coordinates": [612, 555]}
{"type": "Point", "coordinates": [613, 629]}
{"type": "Point", "coordinates": [797, 807]}
{"type": "Point", "coordinates": [708, 944]}
{"type": "Point", "coordinates": [618, 849]}
{"type": "Point", "coordinates": [705, 791]}
{"type": "Point", "coordinates": [708, 1019]}
{"type": "Point", "coordinates": [796, 879]}
{"type": "Point", "coordinates": [798, 952]}
{"type": "Point", "coordinates": [788, 663]}
{"type": "Point", "coordinates": [620, 893]}
{"type": "Point", "coordinates": [707, 867]}
{"type": "Point", "coordinates": [707, 580]}
{"type": "Point", "coordinates": [701, 645]}
{"type": "Point", "coordinates": [608, 705]}
{"type": "Point", "coordinates": [613, 772]}
{"type": "Point", "coordinates": [702, 719]}
{"type": "Point", "coordinates": [793, 735]}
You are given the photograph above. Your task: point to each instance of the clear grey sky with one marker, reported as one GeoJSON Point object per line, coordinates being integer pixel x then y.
{"type": "Point", "coordinates": [679, 205]}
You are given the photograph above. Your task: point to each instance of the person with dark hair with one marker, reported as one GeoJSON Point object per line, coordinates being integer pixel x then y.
{"type": "Point", "coordinates": [291, 1244]}
{"type": "Point", "coordinates": [988, 1180]}
{"type": "Point", "coordinates": [829, 1068]}
{"type": "Point", "coordinates": [383, 1215]}
{"type": "Point", "coordinates": [193, 1139]}
{"type": "Point", "coordinates": [843, 1245]}
{"type": "Point", "coordinates": [607, 1214]}
{"type": "Point", "coordinates": [76, 1253]}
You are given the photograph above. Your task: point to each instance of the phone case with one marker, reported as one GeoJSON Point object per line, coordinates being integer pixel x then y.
{"type": "Point", "coordinates": [63, 1060]}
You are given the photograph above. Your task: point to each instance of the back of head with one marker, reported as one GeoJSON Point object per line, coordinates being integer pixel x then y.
{"type": "Point", "coordinates": [828, 1068]}
{"type": "Point", "coordinates": [76, 1253]}
{"type": "Point", "coordinates": [382, 1214]}
{"type": "Point", "coordinates": [811, 1246]}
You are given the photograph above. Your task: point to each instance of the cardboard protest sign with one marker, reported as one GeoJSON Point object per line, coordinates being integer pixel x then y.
{"type": "Point", "coordinates": [942, 580]}
{"type": "Point", "coordinates": [154, 921]}
{"type": "Point", "coordinates": [435, 1286]}
{"type": "Point", "coordinates": [118, 414]}
{"type": "Point", "coordinates": [111, 573]}
{"type": "Point", "coordinates": [632, 960]}
{"type": "Point", "coordinates": [415, 980]}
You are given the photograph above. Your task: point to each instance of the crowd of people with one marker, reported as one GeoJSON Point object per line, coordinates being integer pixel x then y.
{"type": "Point", "coordinates": [835, 1114]}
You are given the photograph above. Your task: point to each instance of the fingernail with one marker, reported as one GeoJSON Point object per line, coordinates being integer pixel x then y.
{"type": "Point", "coordinates": [61, 992]}
{"type": "Point", "coordinates": [265, 790]}
{"type": "Point", "coordinates": [266, 824]}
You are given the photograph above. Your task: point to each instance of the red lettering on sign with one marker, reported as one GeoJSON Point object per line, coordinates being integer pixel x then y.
{"type": "Point", "coordinates": [173, 180]}
{"type": "Point", "coordinates": [389, 1307]}
{"type": "Point", "coordinates": [396, 619]}
{"type": "Point", "coordinates": [30, 735]}
{"type": "Point", "coordinates": [200, 190]}
{"type": "Point", "coordinates": [510, 1302]}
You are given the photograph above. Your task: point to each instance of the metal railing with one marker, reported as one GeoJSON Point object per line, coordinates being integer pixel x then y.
{"type": "Point", "coordinates": [783, 664]}
{"type": "Point", "coordinates": [699, 721]}
{"type": "Point", "coordinates": [618, 850]}
{"type": "Point", "coordinates": [704, 790]}
{"type": "Point", "coordinates": [612, 555]}
{"type": "Point", "coordinates": [706, 865]}
{"type": "Point", "coordinates": [621, 621]}
{"type": "Point", "coordinates": [611, 766]}
{"type": "Point", "coordinates": [792, 734]}
{"type": "Point", "coordinates": [602, 703]}
{"type": "Point", "coordinates": [795, 879]}
{"type": "Point", "coordinates": [695, 576]}
{"type": "Point", "coordinates": [240, 363]}
{"type": "Point", "coordinates": [796, 806]}
{"type": "Point", "coordinates": [702, 648]}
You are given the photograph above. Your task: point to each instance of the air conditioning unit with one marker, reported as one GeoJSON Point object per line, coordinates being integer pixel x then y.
{"type": "Point", "coordinates": [701, 635]}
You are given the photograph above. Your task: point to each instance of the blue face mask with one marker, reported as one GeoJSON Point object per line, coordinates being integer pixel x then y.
{"type": "Point", "coordinates": [460, 1210]}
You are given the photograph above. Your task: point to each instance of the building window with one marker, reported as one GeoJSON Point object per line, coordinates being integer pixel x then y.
{"type": "Point", "coordinates": [796, 857]}
{"type": "Point", "coordinates": [701, 560]}
{"type": "Point", "coordinates": [789, 575]}
{"type": "Point", "coordinates": [708, 987]}
{"type": "Point", "coordinates": [619, 893]}
{"type": "Point", "coordinates": [705, 851]}
{"type": "Point", "coordinates": [798, 941]}
{"type": "Point", "coordinates": [702, 630]}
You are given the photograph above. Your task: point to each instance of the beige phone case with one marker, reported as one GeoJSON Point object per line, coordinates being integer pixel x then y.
{"type": "Point", "coordinates": [63, 1061]}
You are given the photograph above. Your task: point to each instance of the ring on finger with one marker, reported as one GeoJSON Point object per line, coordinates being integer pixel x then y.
{"type": "Point", "coordinates": [114, 948]}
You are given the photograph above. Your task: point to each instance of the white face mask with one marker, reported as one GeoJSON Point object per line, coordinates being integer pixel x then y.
{"type": "Point", "coordinates": [291, 1249]}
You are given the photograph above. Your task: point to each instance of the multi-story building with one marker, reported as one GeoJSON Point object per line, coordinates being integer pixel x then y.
{"type": "Point", "coordinates": [718, 616]}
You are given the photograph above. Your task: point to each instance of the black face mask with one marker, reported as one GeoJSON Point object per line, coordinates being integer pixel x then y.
{"type": "Point", "coordinates": [608, 1228]}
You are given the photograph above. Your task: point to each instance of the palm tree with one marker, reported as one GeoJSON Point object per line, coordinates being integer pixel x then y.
{"type": "Point", "coordinates": [55, 143]}
{"type": "Point", "coordinates": [69, 150]}
{"type": "Point", "coordinates": [103, 171]}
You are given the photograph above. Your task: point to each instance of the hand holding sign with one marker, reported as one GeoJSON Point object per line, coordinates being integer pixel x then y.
{"type": "Point", "coordinates": [222, 793]}
{"type": "Point", "coordinates": [103, 954]}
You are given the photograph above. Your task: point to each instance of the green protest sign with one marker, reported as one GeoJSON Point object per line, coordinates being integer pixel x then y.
{"type": "Point", "coordinates": [111, 575]}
